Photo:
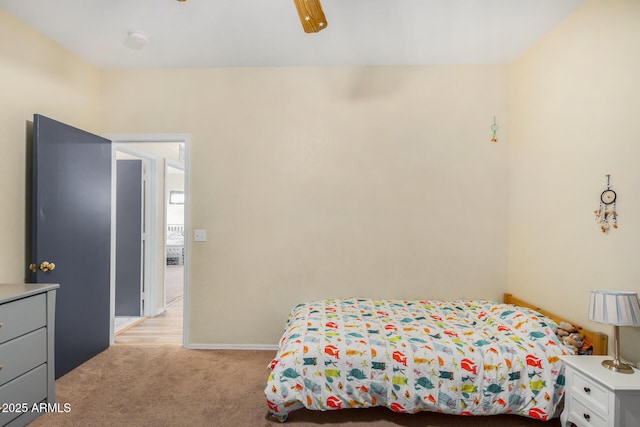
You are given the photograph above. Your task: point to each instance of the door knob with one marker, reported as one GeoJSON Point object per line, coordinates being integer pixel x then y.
{"type": "Point", "coordinates": [47, 266]}
{"type": "Point", "coordinates": [33, 267]}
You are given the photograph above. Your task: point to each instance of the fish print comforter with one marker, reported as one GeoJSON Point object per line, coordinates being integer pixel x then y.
{"type": "Point", "coordinates": [456, 357]}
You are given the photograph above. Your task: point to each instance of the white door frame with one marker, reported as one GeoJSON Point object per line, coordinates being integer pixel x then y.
{"type": "Point", "coordinates": [184, 139]}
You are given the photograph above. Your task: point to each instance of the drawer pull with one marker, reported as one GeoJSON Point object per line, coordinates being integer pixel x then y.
{"type": "Point", "coordinates": [587, 390]}
{"type": "Point", "coordinates": [586, 416]}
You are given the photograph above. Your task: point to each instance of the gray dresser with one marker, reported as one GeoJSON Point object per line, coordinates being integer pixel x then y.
{"type": "Point", "coordinates": [27, 317]}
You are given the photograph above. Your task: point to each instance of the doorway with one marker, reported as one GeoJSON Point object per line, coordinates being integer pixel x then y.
{"type": "Point", "coordinates": [132, 272]}
{"type": "Point", "coordinates": [175, 232]}
{"type": "Point", "coordinates": [130, 236]}
{"type": "Point", "coordinates": [165, 257]}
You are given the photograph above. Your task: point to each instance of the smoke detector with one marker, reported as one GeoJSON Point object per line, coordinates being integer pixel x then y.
{"type": "Point", "coordinates": [136, 40]}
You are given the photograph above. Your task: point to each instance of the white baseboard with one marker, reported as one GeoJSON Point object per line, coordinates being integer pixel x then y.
{"type": "Point", "coordinates": [231, 347]}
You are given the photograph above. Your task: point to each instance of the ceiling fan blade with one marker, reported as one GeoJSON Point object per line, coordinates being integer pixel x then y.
{"type": "Point", "coordinates": [311, 15]}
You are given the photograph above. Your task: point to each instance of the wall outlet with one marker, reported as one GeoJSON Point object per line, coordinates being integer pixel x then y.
{"type": "Point", "coordinates": [200, 235]}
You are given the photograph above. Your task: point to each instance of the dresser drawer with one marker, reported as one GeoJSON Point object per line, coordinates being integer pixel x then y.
{"type": "Point", "coordinates": [590, 392]}
{"type": "Point", "coordinates": [22, 316]}
{"type": "Point", "coordinates": [22, 354]}
{"type": "Point", "coordinates": [24, 391]}
{"type": "Point", "coordinates": [584, 416]}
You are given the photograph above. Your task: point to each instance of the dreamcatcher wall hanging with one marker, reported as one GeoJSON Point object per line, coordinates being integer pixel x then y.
{"type": "Point", "coordinates": [494, 129]}
{"type": "Point", "coordinates": [606, 215]}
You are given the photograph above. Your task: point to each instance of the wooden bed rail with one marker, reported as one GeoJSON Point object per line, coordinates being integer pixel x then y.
{"type": "Point", "coordinates": [597, 339]}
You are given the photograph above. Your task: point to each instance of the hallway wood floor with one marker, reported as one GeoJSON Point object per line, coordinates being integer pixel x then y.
{"type": "Point", "coordinates": [165, 328]}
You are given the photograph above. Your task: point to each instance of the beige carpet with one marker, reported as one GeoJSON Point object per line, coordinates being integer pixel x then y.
{"type": "Point", "coordinates": [155, 385]}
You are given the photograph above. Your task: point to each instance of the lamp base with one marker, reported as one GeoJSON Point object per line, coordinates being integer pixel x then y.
{"type": "Point", "coordinates": [617, 366]}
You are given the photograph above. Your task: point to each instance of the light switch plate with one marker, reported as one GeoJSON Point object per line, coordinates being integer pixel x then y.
{"type": "Point", "coordinates": [200, 235]}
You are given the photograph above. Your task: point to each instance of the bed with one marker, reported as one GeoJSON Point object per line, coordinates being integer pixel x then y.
{"type": "Point", "coordinates": [457, 357]}
{"type": "Point", "coordinates": [175, 244]}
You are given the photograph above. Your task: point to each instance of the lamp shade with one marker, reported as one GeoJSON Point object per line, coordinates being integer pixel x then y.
{"type": "Point", "coordinates": [618, 308]}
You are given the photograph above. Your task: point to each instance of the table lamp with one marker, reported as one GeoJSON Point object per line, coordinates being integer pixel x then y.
{"type": "Point", "coordinates": [617, 308]}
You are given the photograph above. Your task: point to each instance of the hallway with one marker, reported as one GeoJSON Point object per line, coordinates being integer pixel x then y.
{"type": "Point", "coordinates": [165, 328]}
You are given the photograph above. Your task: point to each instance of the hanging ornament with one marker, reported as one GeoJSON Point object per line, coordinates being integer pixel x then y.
{"type": "Point", "coordinates": [606, 215]}
{"type": "Point", "coordinates": [494, 129]}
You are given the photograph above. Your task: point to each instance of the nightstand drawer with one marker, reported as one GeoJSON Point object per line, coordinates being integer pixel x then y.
{"type": "Point", "coordinates": [22, 354]}
{"type": "Point", "coordinates": [610, 399]}
{"type": "Point", "coordinates": [590, 392]}
{"type": "Point", "coordinates": [586, 417]}
{"type": "Point", "coordinates": [22, 316]}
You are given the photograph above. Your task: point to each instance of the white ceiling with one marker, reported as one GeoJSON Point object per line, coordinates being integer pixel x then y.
{"type": "Point", "coordinates": [219, 33]}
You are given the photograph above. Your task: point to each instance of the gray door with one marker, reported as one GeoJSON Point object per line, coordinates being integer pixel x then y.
{"type": "Point", "coordinates": [128, 237]}
{"type": "Point", "coordinates": [71, 228]}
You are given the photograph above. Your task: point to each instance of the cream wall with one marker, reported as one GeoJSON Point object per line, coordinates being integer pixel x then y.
{"type": "Point", "coordinates": [321, 182]}
{"type": "Point", "coordinates": [574, 107]}
{"type": "Point", "coordinates": [312, 182]}
{"type": "Point", "coordinates": [329, 182]}
{"type": "Point", "coordinates": [36, 76]}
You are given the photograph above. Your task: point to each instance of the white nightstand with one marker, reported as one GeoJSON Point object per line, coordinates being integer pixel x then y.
{"type": "Point", "coordinates": [596, 396]}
